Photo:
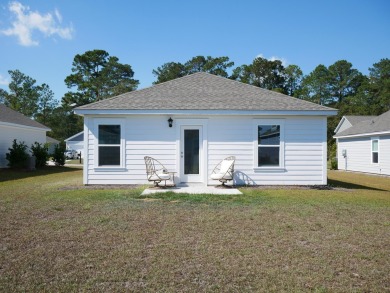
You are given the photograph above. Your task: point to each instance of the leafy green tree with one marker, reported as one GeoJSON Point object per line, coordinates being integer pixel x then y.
{"type": "Point", "coordinates": [343, 80]}
{"type": "Point", "coordinates": [379, 83]}
{"type": "Point", "coordinates": [28, 98]}
{"type": "Point", "coordinates": [169, 71]}
{"type": "Point", "coordinates": [64, 123]}
{"type": "Point", "coordinates": [97, 76]}
{"type": "Point", "coordinates": [268, 74]}
{"type": "Point", "coordinates": [46, 104]}
{"type": "Point", "coordinates": [172, 70]}
{"type": "Point", "coordinates": [373, 96]}
{"type": "Point", "coordinates": [217, 66]}
{"type": "Point", "coordinates": [23, 93]}
{"type": "Point", "coordinates": [315, 86]}
{"type": "Point", "coordinates": [293, 79]}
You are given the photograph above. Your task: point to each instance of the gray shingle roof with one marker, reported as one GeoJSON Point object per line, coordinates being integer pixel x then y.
{"type": "Point", "coordinates": [204, 91]}
{"type": "Point", "coordinates": [356, 119]}
{"type": "Point", "coordinates": [10, 116]}
{"type": "Point", "coordinates": [379, 123]}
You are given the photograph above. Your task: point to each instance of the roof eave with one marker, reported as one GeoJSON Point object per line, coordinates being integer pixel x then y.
{"type": "Point", "coordinates": [83, 112]}
{"type": "Point", "coordinates": [363, 134]}
{"type": "Point", "coordinates": [24, 126]}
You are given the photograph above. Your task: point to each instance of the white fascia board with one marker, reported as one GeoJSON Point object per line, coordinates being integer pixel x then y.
{"type": "Point", "coordinates": [24, 126]}
{"type": "Point", "coordinates": [83, 112]}
{"type": "Point", "coordinates": [363, 134]}
{"type": "Point", "coordinates": [339, 125]}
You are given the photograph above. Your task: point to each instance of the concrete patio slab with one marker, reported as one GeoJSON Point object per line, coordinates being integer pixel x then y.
{"type": "Point", "coordinates": [193, 188]}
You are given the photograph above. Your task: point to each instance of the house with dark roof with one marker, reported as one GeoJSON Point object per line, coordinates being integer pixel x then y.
{"type": "Point", "coordinates": [364, 146]}
{"type": "Point", "coordinates": [191, 123]}
{"type": "Point", "coordinates": [14, 125]}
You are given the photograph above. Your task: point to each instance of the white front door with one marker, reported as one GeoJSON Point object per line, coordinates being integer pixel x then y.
{"type": "Point", "coordinates": [191, 153]}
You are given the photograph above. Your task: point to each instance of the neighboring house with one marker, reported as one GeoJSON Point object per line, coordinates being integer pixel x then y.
{"type": "Point", "coordinates": [276, 139]}
{"type": "Point", "coordinates": [51, 142]}
{"type": "Point", "coordinates": [14, 125]}
{"type": "Point", "coordinates": [365, 145]}
{"type": "Point", "coordinates": [76, 142]}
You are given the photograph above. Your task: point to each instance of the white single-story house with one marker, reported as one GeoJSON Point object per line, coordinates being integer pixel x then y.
{"type": "Point", "coordinates": [76, 143]}
{"type": "Point", "coordinates": [364, 146]}
{"type": "Point", "coordinates": [14, 125]}
{"type": "Point", "coordinates": [276, 139]}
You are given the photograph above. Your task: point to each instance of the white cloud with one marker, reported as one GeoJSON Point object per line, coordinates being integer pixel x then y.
{"type": "Point", "coordinates": [27, 22]}
{"type": "Point", "coordinates": [3, 80]}
{"type": "Point", "coordinates": [273, 58]}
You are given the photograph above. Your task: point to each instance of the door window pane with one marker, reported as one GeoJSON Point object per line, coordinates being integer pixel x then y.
{"type": "Point", "coordinates": [191, 151]}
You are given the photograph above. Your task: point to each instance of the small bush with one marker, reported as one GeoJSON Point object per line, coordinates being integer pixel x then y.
{"type": "Point", "coordinates": [17, 156]}
{"type": "Point", "coordinates": [333, 164]}
{"type": "Point", "coordinates": [59, 154]}
{"type": "Point", "coordinates": [40, 152]}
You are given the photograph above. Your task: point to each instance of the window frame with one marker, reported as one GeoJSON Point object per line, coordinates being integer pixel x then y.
{"type": "Point", "coordinates": [256, 145]}
{"type": "Point", "coordinates": [121, 166]}
{"type": "Point", "coordinates": [372, 150]}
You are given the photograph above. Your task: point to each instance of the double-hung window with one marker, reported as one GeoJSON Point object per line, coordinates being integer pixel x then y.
{"type": "Point", "coordinates": [375, 150]}
{"type": "Point", "coordinates": [109, 145]}
{"type": "Point", "coordinates": [269, 144]}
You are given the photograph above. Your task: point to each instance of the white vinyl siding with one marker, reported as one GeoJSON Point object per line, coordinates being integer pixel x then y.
{"type": "Point", "coordinates": [149, 135]}
{"type": "Point", "coordinates": [359, 155]}
{"type": "Point", "coordinates": [8, 133]}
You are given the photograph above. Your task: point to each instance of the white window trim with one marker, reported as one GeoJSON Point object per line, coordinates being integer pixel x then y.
{"type": "Point", "coordinates": [256, 123]}
{"type": "Point", "coordinates": [372, 151]}
{"type": "Point", "coordinates": [110, 121]}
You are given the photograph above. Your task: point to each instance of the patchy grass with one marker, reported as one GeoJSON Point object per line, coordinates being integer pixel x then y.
{"type": "Point", "coordinates": [56, 238]}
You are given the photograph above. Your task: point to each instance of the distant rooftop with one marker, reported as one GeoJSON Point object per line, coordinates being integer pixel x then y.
{"type": "Point", "coordinates": [374, 124]}
{"type": "Point", "coordinates": [8, 115]}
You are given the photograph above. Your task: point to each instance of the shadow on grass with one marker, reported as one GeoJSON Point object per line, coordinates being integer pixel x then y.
{"type": "Point", "coordinates": [15, 174]}
{"type": "Point", "coordinates": [348, 185]}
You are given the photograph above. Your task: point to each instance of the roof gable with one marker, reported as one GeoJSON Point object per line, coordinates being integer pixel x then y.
{"type": "Point", "coordinates": [8, 115]}
{"type": "Point", "coordinates": [77, 137]}
{"type": "Point", "coordinates": [204, 91]}
{"type": "Point", "coordinates": [349, 121]}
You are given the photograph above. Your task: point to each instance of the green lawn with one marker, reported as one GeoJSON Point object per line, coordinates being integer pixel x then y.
{"type": "Point", "coordinates": [57, 236]}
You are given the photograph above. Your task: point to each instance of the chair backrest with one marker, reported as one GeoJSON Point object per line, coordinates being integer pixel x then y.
{"type": "Point", "coordinates": [227, 165]}
{"type": "Point", "coordinates": [150, 167]}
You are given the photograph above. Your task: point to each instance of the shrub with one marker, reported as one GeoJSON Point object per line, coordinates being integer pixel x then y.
{"type": "Point", "coordinates": [59, 154]}
{"type": "Point", "coordinates": [40, 152]}
{"type": "Point", "coordinates": [17, 156]}
{"type": "Point", "coordinates": [333, 164]}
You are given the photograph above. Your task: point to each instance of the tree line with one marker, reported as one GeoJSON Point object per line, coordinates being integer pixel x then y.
{"type": "Point", "coordinates": [95, 75]}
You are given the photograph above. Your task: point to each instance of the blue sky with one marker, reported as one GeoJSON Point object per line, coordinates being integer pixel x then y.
{"type": "Point", "coordinates": [41, 38]}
